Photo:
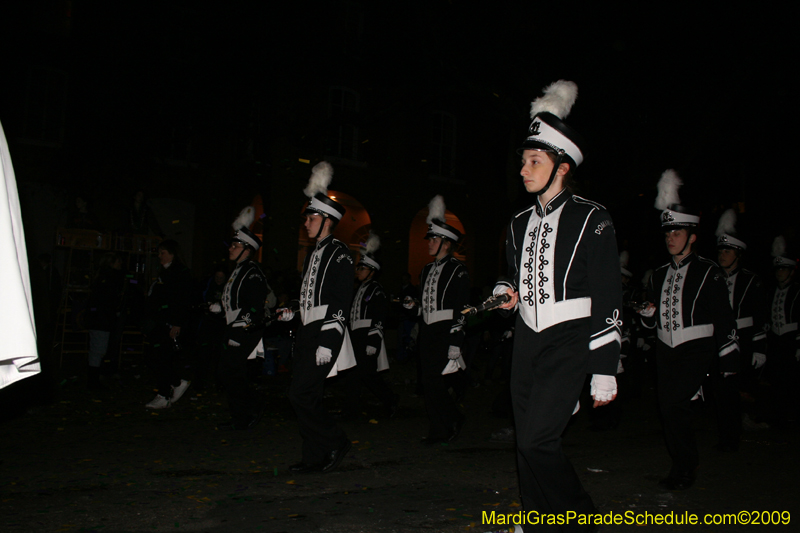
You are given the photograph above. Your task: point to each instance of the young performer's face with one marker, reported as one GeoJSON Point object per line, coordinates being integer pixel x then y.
{"type": "Point", "coordinates": [234, 251]}
{"type": "Point", "coordinates": [312, 224]}
{"type": "Point", "coordinates": [782, 275]}
{"type": "Point", "coordinates": [726, 257]}
{"type": "Point", "coordinates": [433, 245]}
{"type": "Point", "coordinates": [676, 241]}
{"type": "Point", "coordinates": [536, 170]}
{"type": "Point", "coordinates": [363, 272]}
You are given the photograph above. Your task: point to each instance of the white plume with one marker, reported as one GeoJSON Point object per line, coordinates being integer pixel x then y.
{"type": "Point", "coordinates": [558, 99]}
{"type": "Point", "coordinates": [372, 244]}
{"type": "Point", "coordinates": [668, 187]}
{"type": "Point", "coordinates": [727, 223]}
{"type": "Point", "coordinates": [436, 209]}
{"type": "Point", "coordinates": [778, 246]}
{"type": "Point", "coordinates": [624, 257]}
{"type": "Point", "coordinates": [245, 218]}
{"type": "Point", "coordinates": [321, 176]}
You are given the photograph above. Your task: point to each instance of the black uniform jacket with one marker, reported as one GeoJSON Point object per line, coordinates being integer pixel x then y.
{"type": "Point", "coordinates": [444, 287]}
{"type": "Point", "coordinates": [243, 300]}
{"type": "Point", "coordinates": [785, 311]}
{"type": "Point", "coordinates": [369, 310]}
{"type": "Point", "coordinates": [327, 291]}
{"type": "Point", "coordinates": [748, 297]}
{"type": "Point", "coordinates": [691, 301]}
{"type": "Point", "coordinates": [563, 261]}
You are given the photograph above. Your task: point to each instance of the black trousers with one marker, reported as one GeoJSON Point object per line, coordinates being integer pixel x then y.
{"type": "Point", "coordinates": [782, 370]}
{"type": "Point", "coordinates": [318, 429]}
{"type": "Point", "coordinates": [547, 376]}
{"type": "Point", "coordinates": [443, 413]}
{"type": "Point", "coordinates": [727, 405]}
{"type": "Point", "coordinates": [243, 401]}
{"type": "Point", "coordinates": [163, 361]}
{"type": "Point", "coordinates": [365, 374]}
{"type": "Point", "coordinates": [681, 371]}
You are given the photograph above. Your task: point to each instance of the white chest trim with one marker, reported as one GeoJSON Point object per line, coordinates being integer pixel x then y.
{"type": "Point", "coordinates": [538, 306]}
{"type": "Point", "coordinates": [309, 289]}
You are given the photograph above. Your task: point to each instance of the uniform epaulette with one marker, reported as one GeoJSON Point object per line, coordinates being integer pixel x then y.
{"type": "Point", "coordinates": [580, 199]}
{"type": "Point", "coordinates": [523, 211]}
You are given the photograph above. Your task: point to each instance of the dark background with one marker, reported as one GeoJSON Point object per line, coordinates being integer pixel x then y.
{"type": "Point", "coordinates": [214, 103]}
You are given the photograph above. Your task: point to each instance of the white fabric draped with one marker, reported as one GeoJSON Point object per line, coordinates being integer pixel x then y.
{"type": "Point", "coordinates": [18, 356]}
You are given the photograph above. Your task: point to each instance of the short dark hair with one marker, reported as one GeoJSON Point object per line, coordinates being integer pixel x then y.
{"type": "Point", "coordinates": [569, 177]}
{"type": "Point", "coordinates": [334, 222]}
{"type": "Point", "coordinates": [169, 245]}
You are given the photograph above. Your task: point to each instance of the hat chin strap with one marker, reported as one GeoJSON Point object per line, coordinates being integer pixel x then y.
{"type": "Point", "coordinates": [240, 254]}
{"type": "Point", "coordinates": [321, 226]}
{"type": "Point", "coordinates": [688, 242]}
{"type": "Point", "coordinates": [559, 159]}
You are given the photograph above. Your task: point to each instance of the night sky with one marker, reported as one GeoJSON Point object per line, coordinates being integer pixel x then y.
{"type": "Point", "coordinates": [705, 91]}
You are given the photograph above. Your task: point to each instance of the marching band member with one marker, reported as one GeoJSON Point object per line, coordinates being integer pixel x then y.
{"type": "Point", "coordinates": [444, 284]}
{"type": "Point", "coordinates": [564, 279]}
{"type": "Point", "coordinates": [322, 346]}
{"type": "Point", "coordinates": [688, 306]}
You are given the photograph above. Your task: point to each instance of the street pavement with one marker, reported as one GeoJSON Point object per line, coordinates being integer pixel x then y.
{"type": "Point", "coordinates": [99, 461]}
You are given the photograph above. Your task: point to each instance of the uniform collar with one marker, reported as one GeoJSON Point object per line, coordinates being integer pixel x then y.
{"type": "Point", "coordinates": [732, 272]}
{"type": "Point", "coordinates": [686, 260]}
{"type": "Point", "coordinates": [324, 241]}
{"type": "Point", "coordinates": [438, 262]}
{"type": "Point", "coordinates": [554, 203]}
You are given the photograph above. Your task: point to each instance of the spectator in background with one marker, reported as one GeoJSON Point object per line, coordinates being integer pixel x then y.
{"type": "Point", "coordinates": [166, 314]}
{"type": "Point", "coordinates": [102, 312]}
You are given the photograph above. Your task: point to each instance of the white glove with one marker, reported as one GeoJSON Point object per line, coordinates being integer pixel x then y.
{"type": "Point", "coordinates": [324, 355]}
{"type": "Point", "coordinates": [758, 360]}
{"type": "Point", "coordinates": [215, 308]}
{"type": "Point", "coordinates": [285, 314]}
{"type": "Point", "coordinates": [648, 311]}
{"type": "Point", "coordinates": [499, 289]}
{"type": "Point", "coordinates": [371, 350]}
{"type": "Point", "coordinates": [454, 353]}
{"type": "Point", "coordinates": [409, 303]}
{"type": "Point", "coordinates": [603, 387]}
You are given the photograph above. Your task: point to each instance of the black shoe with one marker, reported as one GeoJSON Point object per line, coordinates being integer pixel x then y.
{"type": "Point", "coordinates": [303, 468]}
{"type": "Point", "coordinates": [335, 457]}
{"type": "Point", "coordinates": [257, 417]}
{"type": "Point", "coordinates": [456, 429]}
{"type": "Point", "coordinates": [231, 426]}
{"type": "Point", "coordinates": [391, 409]}
{"type": "Point", "coordinates": [680, 482]}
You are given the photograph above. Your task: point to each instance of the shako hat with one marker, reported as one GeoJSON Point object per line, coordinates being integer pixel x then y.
{"type": "Point", "coordinates": [673, 214]}
{"type": "Point", "coordinates": [726, 232]}
{"type": "Point", "coordinates": [319, 202]}
{"type": "Point", "coordinates": [548, 131]}
{"type": "Point", "coordinates": [781, 259]}
{"type": "Point", "coordinates": [368, 252]}
{"type": "Point", "coordinates": [436, 221]}
{"type": "Point", "coordinates": [241, 228]}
